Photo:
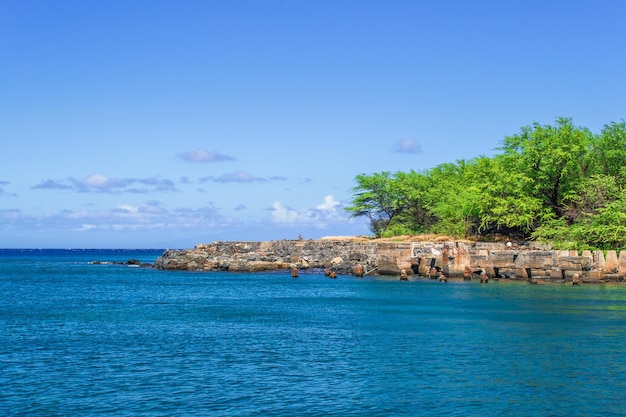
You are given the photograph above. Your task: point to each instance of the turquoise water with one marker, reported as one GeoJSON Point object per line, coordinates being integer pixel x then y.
{"type": "Point", "coordinates": [79, 339]}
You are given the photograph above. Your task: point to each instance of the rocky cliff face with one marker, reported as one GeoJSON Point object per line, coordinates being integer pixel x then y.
{"type": "Point", "coordinates": [429, 259]}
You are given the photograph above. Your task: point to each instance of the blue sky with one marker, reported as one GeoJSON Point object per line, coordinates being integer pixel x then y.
{"type": "Point", "coordinates": [153, 124]}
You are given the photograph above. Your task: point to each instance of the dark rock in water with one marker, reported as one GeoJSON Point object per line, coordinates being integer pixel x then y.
{"type": "Point", "coordinates": [131, 262]}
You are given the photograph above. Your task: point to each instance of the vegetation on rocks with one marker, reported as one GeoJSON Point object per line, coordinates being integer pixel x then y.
{"type": "Point", "coordinates": [559, 184]}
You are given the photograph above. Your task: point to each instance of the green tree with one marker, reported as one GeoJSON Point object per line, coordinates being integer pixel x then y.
{"type": "Point", "coordinates": [595, 217]}
{"type": "Point", "coordinates": [554, 158]}
{"type": "Point", "coordinates": [610, 151]}
{"type": "Point", "coordinates": [506, 203]}
{"type": "Point", "coordinates": [605, 228]}
{"type": "Point", "coordinates": [591, 195]}
{"type": "Point", "coordinates": [377, 198]}
{"type": "Point", "coordinates": [416, 215]}
{"type": "Point", "coordinates": [454, 199]}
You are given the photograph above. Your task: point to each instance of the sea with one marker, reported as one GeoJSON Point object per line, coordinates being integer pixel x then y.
{"type": "Point", "coordinates": [82, 338]}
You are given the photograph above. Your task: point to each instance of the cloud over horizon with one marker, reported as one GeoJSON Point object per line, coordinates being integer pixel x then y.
{"type": "Point", "coordinates": [149, 215]}
{"type": "Point", "coordinates": [154, 222]}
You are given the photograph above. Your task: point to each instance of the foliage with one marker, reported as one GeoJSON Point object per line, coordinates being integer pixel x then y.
{"type": "Point", "coordinates": [605, 229]}
{"type": "Point", "coordinates": [376, 198]}
{"type": "Point", "coordinates": [551, 157]}
{"type": "Point", "coordinates": [455, 200]}
{"type": "Point", "coordinates": [414, 189]}
{"type": "Point", "coordinates": [554, 183]}
{"type": "Point", "coordinates": [609, 152]}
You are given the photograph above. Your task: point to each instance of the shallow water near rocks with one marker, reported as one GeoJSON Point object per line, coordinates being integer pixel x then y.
{"type": "Point", "coordinates": [83, 339]}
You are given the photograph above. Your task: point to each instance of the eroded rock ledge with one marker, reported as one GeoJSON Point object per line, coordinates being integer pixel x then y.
{"type": "Point", "coordinates": [452, 259]}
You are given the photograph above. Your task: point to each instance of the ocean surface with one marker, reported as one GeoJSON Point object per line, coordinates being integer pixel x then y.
{"type": "Point", "coordinates": [81, 339]}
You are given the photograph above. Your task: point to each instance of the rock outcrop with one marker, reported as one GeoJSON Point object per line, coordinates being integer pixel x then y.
{"type": "Point", "coordinates": [454, 259]}
{"type": "Point", "coordinates": [341, 256]}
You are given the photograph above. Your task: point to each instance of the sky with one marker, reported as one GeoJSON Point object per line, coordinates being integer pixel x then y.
{"type": "Point", "coordinates": [164, 124]}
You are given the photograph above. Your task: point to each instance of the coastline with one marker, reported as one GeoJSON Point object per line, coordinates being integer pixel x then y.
{"type": "Point", "coordinates": [414, 257]}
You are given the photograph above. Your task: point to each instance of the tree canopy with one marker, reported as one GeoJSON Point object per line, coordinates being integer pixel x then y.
{"type": "Point", "coordinates": [559, 184]}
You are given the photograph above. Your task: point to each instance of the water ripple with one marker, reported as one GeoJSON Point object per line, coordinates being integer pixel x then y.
{"type": "Point", "coordinates": [147, 343]}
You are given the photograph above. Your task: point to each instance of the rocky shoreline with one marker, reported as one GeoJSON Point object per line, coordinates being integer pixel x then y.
{"type": "Point", "coordinates": [434, 260]}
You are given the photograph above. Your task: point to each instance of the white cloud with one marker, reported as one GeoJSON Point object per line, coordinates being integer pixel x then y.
{"type": "Point", "coordinates": [86, 227]}
{"type": "Point", "coordinates": [96, 180]}
{"type": "Point", "coordinates": [329, 204]}
{"type": "Point", "coordinates": [283, 214]}
{"type": "Point", "coordinates": [237, 176]}
{"type": "Point", "coordinates": [128, 208]}
{"type": "Point", "coordinates": [102, 184]}
{"type": "Point", "coordinates": [321, 216]}
{"type": "Point", "coordinates": [407, 146]}
{"type": "Point", "coordinates": [130, 217]}
{"type": "Point", "coordinates": [204, 156]}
